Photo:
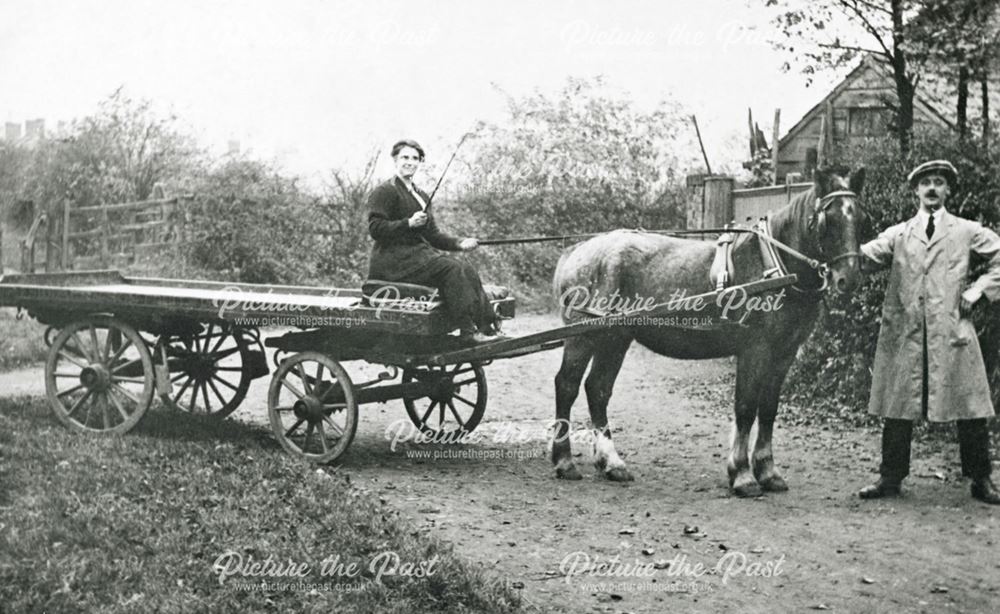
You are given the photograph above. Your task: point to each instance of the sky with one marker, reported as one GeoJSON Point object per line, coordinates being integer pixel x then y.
{"type": "Point", "coordinates": [317, 84]}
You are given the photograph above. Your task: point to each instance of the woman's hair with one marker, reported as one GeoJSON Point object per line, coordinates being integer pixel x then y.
{"type": "Point", "coordinates": [398, 147]}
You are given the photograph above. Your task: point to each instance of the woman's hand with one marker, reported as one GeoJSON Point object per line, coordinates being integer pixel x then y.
{"type": "Point", "coordinates": [468, 244]}
{"type": "Point", "coordinates": [418, 219]}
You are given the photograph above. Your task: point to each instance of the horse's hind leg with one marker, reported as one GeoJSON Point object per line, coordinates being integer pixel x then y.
{"type": "Point", "coordinates": [763, 456]}
{"type": "Point", "coordinates": [750, 371]}
{"type": "Point", "coordinates": [577, 352]}
{"type": "Point", "coordinates": [600, 383]}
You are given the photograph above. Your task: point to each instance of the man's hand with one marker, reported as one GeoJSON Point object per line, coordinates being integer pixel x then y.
{"type": "Point", "coordinates": [964, 308]}
{"type": "Point", "coordinates": [468, 244]}
{"type": "Point", "coordinates": [968, 300]}
{"type": "Point", "coordinates": [418, 219]}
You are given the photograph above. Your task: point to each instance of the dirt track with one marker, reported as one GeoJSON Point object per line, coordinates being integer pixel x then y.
{"type": "Point", "coordinates": [934, 549]}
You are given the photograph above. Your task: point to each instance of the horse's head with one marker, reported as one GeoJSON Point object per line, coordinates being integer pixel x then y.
{"type": "Point", "coordinates": [834, 223]}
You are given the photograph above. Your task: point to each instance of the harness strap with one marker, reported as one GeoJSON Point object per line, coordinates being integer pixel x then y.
{"type": "Point", "coordinates": [722, 271]}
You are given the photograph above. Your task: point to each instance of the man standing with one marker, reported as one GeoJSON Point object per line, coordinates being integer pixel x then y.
{"type": "Point", "coordinates": [927, 362]}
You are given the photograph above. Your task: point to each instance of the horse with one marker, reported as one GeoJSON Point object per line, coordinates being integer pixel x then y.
{"type": "Point", "coordinates": [821, 224]}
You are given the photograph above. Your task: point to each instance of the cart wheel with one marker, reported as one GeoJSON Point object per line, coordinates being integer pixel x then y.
{"type": "Point", "coordinates": [459, 398]}
{"type": "Point", "coordinates": [312, 408]}
{"type": "Point", "coordinates": [99, 376]}
{"type": "Point", "coordinates": [209, 370]}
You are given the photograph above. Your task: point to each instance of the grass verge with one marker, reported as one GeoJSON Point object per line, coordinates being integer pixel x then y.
{"type": "Point", "coordinates": [139, 523]}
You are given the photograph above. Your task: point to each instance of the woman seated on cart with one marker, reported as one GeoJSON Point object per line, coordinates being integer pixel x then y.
{"type": "Point", "coordinates": [407, 241]}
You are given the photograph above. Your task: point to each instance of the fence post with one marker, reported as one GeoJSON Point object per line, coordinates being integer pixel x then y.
{"type": "Point", "coordinates": [64, 253]}
{"type": "Point", "coordinates": [718, 201]}
{"type": "Point", "coordinates": [105, 231]}
{"type": "Point", "coordinates": [50, 253]}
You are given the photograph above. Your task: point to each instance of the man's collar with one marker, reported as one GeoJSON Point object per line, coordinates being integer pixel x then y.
{"type": "Point", "coordinates": [923, 215]}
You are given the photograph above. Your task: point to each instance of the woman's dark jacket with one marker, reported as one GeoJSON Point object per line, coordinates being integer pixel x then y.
{"type": "Point", "coordinates": [400, 250]}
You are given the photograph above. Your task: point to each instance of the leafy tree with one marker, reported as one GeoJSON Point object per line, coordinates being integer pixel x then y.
{"type": "Point", "coordinates": [582, 161]}
{"type": "Point", "coordinates": [821, 35]}
{"type": "Point", "coordinates": [960, 39]}
{"type": "Point", "coordinates": [256, 225]}
{"type": "Point", "coordinates": [345, 222]}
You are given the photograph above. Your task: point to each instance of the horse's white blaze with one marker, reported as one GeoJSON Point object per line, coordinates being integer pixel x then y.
{"type": "Point", "coordinates": [605, 454]}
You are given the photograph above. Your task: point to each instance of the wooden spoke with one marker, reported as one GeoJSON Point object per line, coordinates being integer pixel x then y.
{"type": "Point", "coordinates": [183, 389]}
{"type": "Point", "coordinates": [305, 440]}
{"type": "Point", "coordinates": [73, 360]}
{"type": "Point", "coordinates": [303, 378]}
{"type": "Point", "coordinates": [295, 391]}
{"type": "Point", "coordinates": [204, 395]}
{"type": "Point", "coordinates": [322, 436]}
{"type": "Point", "coordinates": [339, 432]}
{"type": "Point", "coordinates": [128, 380]}
{"type": "Point", "coordinates": [194, 397]}
{"type": "Point", "coordinates": [125, 364]}
{"type": "Point", "coordinates": [82, 348]}
{"type": "Point", "coordinates": [454, 412]}
{"type": "Point", "coordinates": [464, 400]}
{"type": "Point", "coordinates": [297, 424]}
{"type": "Point", "coordinates": [225, 383]}
{"type": "Point", "coordinates": [428, 413]}
{"type": "Point", "coordinates": [128, 395]}
{"type": "Point", "coordinates": [95, 345]}
{"type": "Point", "coordinates": [118, 353]}
{"type": "Point", "coordinates": [222, 338]}
{"type": "Point", "coordinates": [80, 402]}
{"type": "Point", "coordinates": [215, 390]}
{"type": "Point", "coordinates": [70, 390]}
{"type": "Point", "coordinates": [63, 374]}
{"type": "Point", "coordinates": [118, 406]}
{"type": "Point", "coordinates": [104, 407]}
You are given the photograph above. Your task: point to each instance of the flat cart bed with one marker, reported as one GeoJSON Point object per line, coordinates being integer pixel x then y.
{"type": "Point", "coordinates": [103, 369]}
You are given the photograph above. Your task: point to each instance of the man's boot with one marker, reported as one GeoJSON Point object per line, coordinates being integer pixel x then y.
{"type": "Point", "coordinates": [974, 448]}
{"type": "Point", "coordinates": [896, 436]}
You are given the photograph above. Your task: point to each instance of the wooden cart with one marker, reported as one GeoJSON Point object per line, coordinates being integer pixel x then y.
{"type": "Point", "coordinates": [116, 343]}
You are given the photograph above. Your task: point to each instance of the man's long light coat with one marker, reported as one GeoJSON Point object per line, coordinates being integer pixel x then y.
{"type": "Point", "coordinates": [926, 283]}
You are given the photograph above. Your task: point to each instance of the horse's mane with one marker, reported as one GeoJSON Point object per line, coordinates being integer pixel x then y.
{"type": "Point", "coordinates": [795, 215]}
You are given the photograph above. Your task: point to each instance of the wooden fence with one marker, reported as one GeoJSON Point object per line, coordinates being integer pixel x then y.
{"type": "Point", "coordinates": [714, 202]}
{"type": "Point", "coordinates": [106, 236]}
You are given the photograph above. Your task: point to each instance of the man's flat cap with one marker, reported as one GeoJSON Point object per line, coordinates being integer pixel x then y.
{"type": "Point", "coordinates": [942, 167]}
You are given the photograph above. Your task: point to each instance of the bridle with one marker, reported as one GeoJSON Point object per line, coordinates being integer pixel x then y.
{"type": "Point", "coordinates": [818, 222]}
{"type": "Point", "coordinates": [817, 225]}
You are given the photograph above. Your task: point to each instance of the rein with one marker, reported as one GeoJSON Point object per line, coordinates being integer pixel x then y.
{"type": "Point", "coordinates": [821, 267]}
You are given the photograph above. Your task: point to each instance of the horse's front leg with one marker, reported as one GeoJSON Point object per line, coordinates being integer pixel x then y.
{"type": "Point", "coordinates": [599, 385]}
{"type": "Point", "coordinates": [749, 380]}
{"type": "Point", "coordinates": [763, 454]}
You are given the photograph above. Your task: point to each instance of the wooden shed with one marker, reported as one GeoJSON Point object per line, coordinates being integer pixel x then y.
{"type": "Point", "coordinates": [854, 110]}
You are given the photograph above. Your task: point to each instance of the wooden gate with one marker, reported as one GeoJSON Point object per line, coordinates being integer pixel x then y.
{"type": "Point", "coordinates": [118, 235]}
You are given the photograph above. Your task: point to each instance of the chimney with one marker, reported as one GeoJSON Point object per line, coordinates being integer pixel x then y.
{"type": "Point", "coordinates": [34, 129]}
{"type": "Point", "coordinates": [12, 131]}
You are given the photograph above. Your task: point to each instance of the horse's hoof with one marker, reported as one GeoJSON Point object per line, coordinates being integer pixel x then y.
{"type": "Point", "coordinates": [774, 483]}
{"type": "Point", "coordinates": [568, 472]}
{"type": "Point", "coordinates": [619, 474]}
{"type": "Point", "coordinates": [748, 489]}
